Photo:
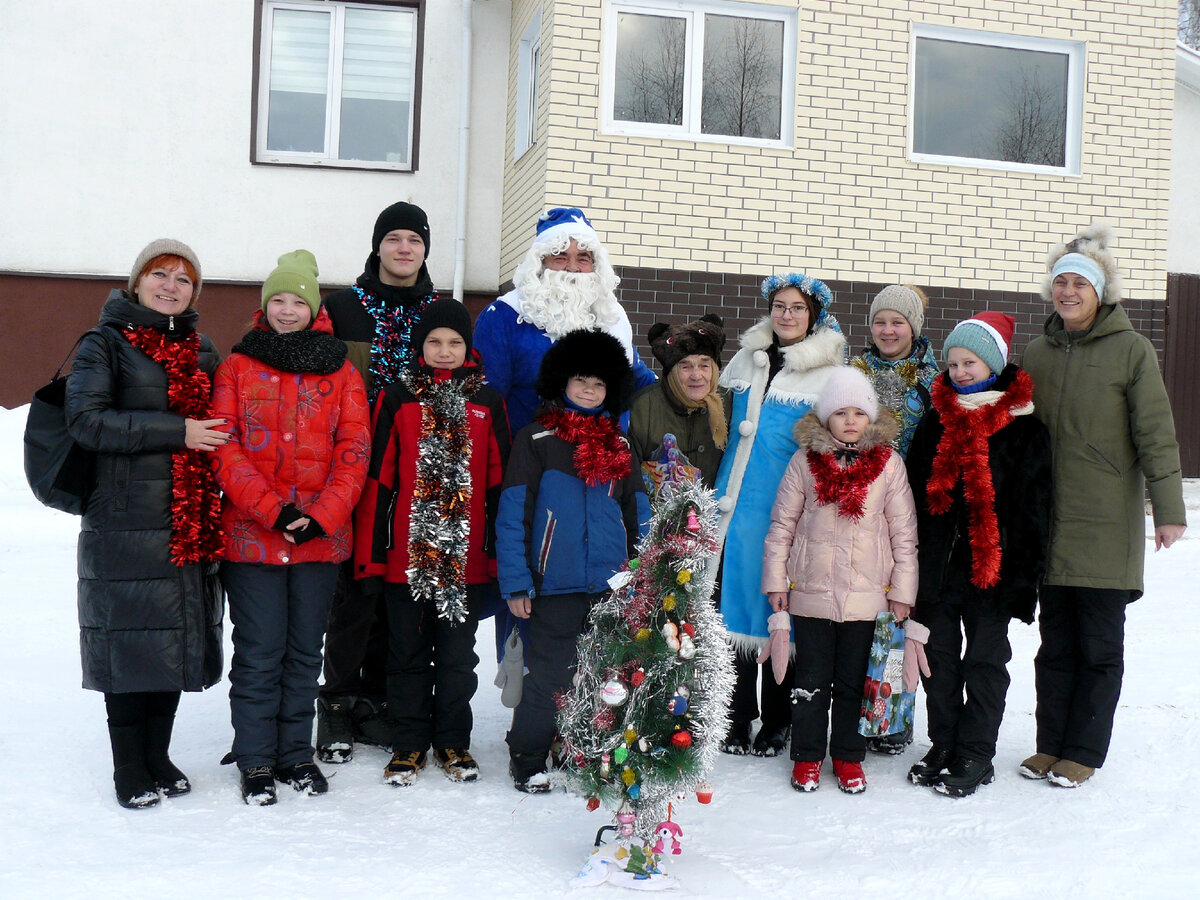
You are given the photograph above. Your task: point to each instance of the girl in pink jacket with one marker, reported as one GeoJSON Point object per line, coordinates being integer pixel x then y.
{"type": "Point", "coordinates": [842, 548]}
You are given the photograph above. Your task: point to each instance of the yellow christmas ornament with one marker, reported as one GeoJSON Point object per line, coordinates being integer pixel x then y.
{"type": "Point", "coordinates": [669, 602]}
{"type": "Point", "coordinates": [629, 777]}
{"type": "Point", "coordinates": [630, 735]}
{"type": "Point", "coordinates": [684, 577]}
{"type": "Point", "coordinates": [643, 635]}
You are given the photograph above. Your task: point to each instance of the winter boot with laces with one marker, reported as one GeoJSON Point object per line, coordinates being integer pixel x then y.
{"type": "Point", "coordinates": [806, 776]}
{"type": "Point", "coordinates": [135, 786]}
{"type": "Point", "coordinates": [304, 777]}
{"type": "Point", "coordinates": [964, 776]}
{"type": "Point", "coordinates": [171, 781]}
{"type": "Point", "coordinates": [458, 765]}
{"type": "Point", "coordinates": [403, 769]}
{"type": "Point", "coordinates": [258, 786]}
{"type": "Point", "coordinates": [932, 764]}
{"type": "Point", "coordinates": [335, 737]}
{"type": "Point", "coordinates": [850, 776]}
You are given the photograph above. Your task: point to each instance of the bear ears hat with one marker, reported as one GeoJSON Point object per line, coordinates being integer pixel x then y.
{"type": "Point", "coordinates": [671, 343]}
{"type": "Point", "coordinates": [1087, 255]}
{"type": "Point", "coordinates": [591, 354]}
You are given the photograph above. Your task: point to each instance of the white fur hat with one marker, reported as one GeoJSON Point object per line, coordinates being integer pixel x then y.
{"type": "Point", "coordinates": [847, 387]}
{"type": "Point", "coordinates": [1095, 262]}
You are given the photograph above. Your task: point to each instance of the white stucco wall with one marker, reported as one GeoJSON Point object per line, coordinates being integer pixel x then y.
{"type": "Point", "coordinates": [126, 120]}
{"type": "Point", "coordinates": [1183, 229]}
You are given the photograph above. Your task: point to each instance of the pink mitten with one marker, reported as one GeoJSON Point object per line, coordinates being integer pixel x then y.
{"type": "Point", "coordinates": [915, 636]}
{"type": "Point", "coordinates": [779, 627]}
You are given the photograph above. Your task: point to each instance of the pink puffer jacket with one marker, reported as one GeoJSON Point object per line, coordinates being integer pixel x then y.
{"type": "Point", "coordinates": [836, 567]}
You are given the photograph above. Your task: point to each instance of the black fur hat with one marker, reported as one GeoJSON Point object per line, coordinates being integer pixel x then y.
{"type": "Point", "coordinates": [671, 343]}
{"type": "Point", "coordinates": [595, 354]}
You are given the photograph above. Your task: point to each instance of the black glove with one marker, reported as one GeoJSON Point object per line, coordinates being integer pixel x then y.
{"type": "Point", "coordinates": [312, 530]}
{"type": "Point", "coordinates": [287, 516]}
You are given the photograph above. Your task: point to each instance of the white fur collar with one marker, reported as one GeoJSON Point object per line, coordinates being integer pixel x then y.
{"type": "Point", "coordinates": [824, 347]}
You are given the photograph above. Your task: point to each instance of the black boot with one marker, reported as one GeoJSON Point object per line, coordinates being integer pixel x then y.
{"type": "Point", "coordinates": [964, 776]}
{"type": "Point", "coordinates": [258, 786]}
{"type": "Point", "coordinates": [737, 739]}
{"type": "Point", "coordinates": [335, 738]}
{"type": "Point", "coordinates": [370, 720]}
{"type": "Point", "coordinates": [134, 784]}
{"type": "Point", "coordinates": [771, 741]}
{"type": "Point", "coordinates": [166, 775]}
{"type": "Point", "coordinates": [926, 772]}
{"type": "Point", "coordinates": [891, 744]}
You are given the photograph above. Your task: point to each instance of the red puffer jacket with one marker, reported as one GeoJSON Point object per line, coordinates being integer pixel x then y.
{"type": "Point", "coordinates": [382, 518]}
{"type": "Point", "coordinates": [295, 437]}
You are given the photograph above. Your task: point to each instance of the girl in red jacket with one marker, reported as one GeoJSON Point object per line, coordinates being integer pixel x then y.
{"type": "Point", "coordinates": [425, 528]}
{"type": "Point", "coordinates": [292, 471]}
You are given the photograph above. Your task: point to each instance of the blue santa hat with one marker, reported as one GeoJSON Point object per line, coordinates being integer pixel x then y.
{"type": "Point", "coordinates": [568, 222]}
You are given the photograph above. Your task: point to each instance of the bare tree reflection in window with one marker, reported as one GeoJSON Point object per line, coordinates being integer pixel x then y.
{"type": "Point", "coordinates": [1033, 128]}
{"type": "Point", "coordinates": [651, 60]}
{"type": "Point", "coordinates": [1189, 23]}
{"type": "Point", "coordinates": [742, 75]}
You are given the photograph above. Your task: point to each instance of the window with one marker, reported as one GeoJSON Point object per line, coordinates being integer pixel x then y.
{"type": "Point", "coordinates": [336, 85]}
{"type": "Point", "coordinates": [996, 101]}
{"type": "Point", "coordinates": [529, 58]}
{"type": "Point", "coordinates": [702, 69]}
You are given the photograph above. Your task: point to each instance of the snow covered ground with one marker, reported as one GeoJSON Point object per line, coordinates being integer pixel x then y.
{"type": "Point", "coordinates": [1130, 832]}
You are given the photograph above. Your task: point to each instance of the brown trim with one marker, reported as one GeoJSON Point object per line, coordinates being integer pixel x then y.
{"type": "Point", "coordinates": [1182, 366]}
{"type": "Point", "coordinates": [418, 75]}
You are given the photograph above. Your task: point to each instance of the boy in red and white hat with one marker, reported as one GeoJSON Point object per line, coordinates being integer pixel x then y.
{"type": "Point", "coordinates": [979, 467]}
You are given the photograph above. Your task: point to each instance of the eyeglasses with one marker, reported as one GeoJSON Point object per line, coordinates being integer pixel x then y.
{"type": "Point", "coordinates": [778, 309]}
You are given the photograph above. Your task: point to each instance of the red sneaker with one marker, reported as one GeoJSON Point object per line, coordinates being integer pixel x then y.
{"type": "Point", "coordinates": [850, 776]}
{"type": "Point", "coordinates": [806, 776]}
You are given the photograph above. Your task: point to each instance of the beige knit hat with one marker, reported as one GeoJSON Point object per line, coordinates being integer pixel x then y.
{"type": "Point", "coordinates": [906, 299]}
{"type": "Point", "coordinates": [158, 248]}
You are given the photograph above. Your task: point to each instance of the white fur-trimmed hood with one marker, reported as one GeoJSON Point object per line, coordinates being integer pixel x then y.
{"type": "Point", "coordinates": [801, 378]}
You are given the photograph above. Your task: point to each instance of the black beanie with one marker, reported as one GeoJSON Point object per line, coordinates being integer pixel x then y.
{"type": "Point", "coordinates": [401, 215]}
{"type": "Point", "coordinates": [447, 313]}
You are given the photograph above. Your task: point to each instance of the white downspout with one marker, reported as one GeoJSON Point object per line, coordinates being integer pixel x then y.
{"type": "Point", "coordinates": [464, 138]}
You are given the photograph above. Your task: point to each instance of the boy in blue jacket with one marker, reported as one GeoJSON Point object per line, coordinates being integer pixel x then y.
{"type": "Point", "coordinates": [571, 512]}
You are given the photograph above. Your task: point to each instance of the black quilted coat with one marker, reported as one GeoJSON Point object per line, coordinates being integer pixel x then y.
{"type": "Point", "coordinates": [145, 624]}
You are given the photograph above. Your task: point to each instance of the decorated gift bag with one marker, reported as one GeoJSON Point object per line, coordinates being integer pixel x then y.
{"type": "Point", "coordinates": [667, 466]}
{"type": "Point", "coordinates": [886, 707]}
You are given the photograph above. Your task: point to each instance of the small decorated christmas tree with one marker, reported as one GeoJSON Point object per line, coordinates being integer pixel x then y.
{"type": "Point", "coordinates": [642, 723]}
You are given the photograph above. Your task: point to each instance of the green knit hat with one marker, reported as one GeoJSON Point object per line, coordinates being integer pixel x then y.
{"type": "Point", "coordinates": [295, 274]}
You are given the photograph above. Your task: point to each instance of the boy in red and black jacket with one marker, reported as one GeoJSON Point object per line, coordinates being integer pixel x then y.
{"type": "Point", "coordinates": [425, 527]}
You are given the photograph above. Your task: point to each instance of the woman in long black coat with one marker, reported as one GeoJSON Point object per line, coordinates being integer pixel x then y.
{"type": "Point", "coordinates": [150, 606]}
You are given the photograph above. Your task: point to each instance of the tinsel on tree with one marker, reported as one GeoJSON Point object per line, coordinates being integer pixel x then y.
{"type": "Point", "coordinates": [649, 705]}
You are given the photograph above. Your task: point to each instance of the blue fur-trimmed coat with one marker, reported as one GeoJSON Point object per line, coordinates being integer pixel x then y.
{"type": "Point", "coordinates": [761, 443]}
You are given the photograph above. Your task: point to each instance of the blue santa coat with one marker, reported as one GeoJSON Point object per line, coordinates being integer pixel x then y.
{"type": "Point", "coordinates": [761, 444]}
{"type": "Point", "coordinates": [512, 353]}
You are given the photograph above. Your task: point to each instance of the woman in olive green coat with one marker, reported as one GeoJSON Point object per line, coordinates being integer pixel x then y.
{"type": "Point", "coordinates": [1098, 389]}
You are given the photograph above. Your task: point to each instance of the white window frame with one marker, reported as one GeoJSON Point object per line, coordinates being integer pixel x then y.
{"type": "Point", "coordinates": [693, 12]}
{"type": "Point", "coordinates": [329, 158]}
{"type": "Point", "coordinates": [1076, 53]}
{"type": "Point", "coordinates": [529, 52]}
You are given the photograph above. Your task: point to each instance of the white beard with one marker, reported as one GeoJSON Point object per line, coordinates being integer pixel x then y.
{"type": "Point", "coordinates": [560, 302]}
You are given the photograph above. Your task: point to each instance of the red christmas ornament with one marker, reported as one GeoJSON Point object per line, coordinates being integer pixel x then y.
{"type": "Point", "coordinates": [689, 629]}
{"type": "Point", "coordinates": [637, 677]}
{"type": "Point", "coordinates": [693, 524]}
{"type": "Point", "coordinates": [682, 739]}
{"type": "Point", "coordinates": [593, 804]}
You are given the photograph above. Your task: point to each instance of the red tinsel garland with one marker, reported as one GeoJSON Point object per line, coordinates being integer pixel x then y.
{"type": "Point", "coordinates": [601, 451]}
{"type": "Point", "coordinates": [847, 487]}
{"type": "Point", "coordinates": [195, 499]}
{"type": "Point", "coordinates": [962, 453]}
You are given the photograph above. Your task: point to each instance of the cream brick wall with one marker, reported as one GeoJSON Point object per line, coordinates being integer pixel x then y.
{"type": "Point", "coordinates": [845, 202]}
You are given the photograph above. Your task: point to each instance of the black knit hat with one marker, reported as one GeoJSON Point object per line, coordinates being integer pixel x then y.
{"type": "Point", "coordinates": [446, 313]}
{"type": "Point", "coordinates": [591, 354]}
{"type": "Point", "coordinates": [671, 343]}
{"type": "Point", "coordinates": [401, 215]}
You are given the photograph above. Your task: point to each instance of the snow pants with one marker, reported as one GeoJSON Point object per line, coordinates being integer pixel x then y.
{"type": "Point", "coordinates": [555, 624]}
{"type": "Point", "coordinates": [430, 672]}
{"type": "Point", "coordinates": [279, 615]}
{"type": "Point", "coordinates": [831, 666]}
{"type": "Point", "coordinates": [969, 726]}
{"type": "Point", "coordinates": [1078, 670]}
{"type": "Point", "coordinates": [356, 640]}
{"type": "Point", "coordinates": [752, 696]}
